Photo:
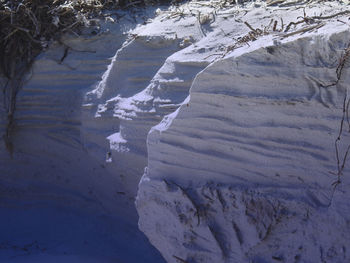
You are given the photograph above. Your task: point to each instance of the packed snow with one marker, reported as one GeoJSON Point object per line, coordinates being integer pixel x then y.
{"type": "Point", "coordinates": [220, 120]}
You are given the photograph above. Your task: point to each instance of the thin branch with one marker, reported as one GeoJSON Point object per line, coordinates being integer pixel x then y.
{"type": "Point", "coordinates": [180, 259]}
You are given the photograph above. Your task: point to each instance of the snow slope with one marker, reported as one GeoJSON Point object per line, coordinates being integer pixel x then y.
{"type": "Point", "coordinates": [231, 166]}
{"type": "Point", "coordinates": [243, 170]}
{"type": "Point", "coordinates": [60, 199]}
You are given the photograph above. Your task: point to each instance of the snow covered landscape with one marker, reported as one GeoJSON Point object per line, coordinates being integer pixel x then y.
{"type": "Point", "coordinates": [202, 131]}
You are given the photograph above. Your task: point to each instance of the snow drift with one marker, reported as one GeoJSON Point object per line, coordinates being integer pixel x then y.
{"type": "Point", "coordinates": [234, 111]}
{"type": "Point", "coordinates": [245, 169]}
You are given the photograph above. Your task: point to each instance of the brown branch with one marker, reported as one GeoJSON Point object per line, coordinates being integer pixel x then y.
{"type": "Point", "coordinates": [180, 259]}
{"type": "Point", "coordinates": [347, 115]}
{"type": "Point", "coordinates": [249, 26]}
{"type": "Point", "coordinates": [332, 16]}
{"type": "Point", "coordinates": [293, 23]}
{"type": "Point", "coordinates": [64, 55]}
{"type": "Point", "coordinates": [274, 26]}
{"type": "Point", "coordinates": [343, 117]}
{"type": "Point", "coordinates": [303, 30]}
{"type": "Point", "coordinates": [312, 19]}
{"type": "Point", "coordinates": [337, 155]}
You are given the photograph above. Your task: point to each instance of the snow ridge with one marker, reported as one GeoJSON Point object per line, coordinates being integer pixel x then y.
{"type": "Point", "coordinates": [243, 171]}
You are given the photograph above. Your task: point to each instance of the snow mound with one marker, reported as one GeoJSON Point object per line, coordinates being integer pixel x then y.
{"type": "Point", "coordinates": [245, 169]}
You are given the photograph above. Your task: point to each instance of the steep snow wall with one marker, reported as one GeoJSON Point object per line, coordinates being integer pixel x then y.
{"type": "Point", "coordinates": [48, 151]}
{"type": "Point", "coordinates": [243, 171]}
{"type": "Point", "coordinates": [81, 123]}
{"type": "Point", "coordinates": [143, 84]}
{"type": "Point", "coordinates": [83, 116]}
{"type": "Point", "coordinates": [60, 201]}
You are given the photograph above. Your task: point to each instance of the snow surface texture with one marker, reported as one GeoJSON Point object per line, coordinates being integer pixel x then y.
{"type": "Point", "coordinates": [67, 193]}
{"type": "Point", "coordinates": [243, 170]}
{"type": "Point", "coordinates": [80, 139]}
{"type": "Point", "coordinates": [60, 200]}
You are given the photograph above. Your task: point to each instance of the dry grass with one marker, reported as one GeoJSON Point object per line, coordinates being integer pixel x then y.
{"type": "Point", "coordinates": [29, 26]}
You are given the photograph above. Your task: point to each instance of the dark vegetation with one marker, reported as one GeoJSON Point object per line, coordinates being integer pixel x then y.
{"type": "Point", "coordinates": [29, 26]}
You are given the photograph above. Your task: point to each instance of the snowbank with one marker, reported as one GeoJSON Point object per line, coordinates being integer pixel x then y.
{"type": "Point", "coordinates": [244, 170]}
{"type": "Point", "coordinates": [240, 139]}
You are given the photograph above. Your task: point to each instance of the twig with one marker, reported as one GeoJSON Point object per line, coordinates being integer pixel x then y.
{"type": "Point", "coordinates": [180, 259]}
{"type": "Point", "coordinates": [64, 55]}
{"type": "Point", "coordinates": [276, 2]}
{"type": "Point", "coordinates": [303, 30]}
{"type": "Point", "coordinates": [200, 24]}
{"type": "Point", "coordinates": [250, 27]}
{"type": "Point", "coordinates": [274, 26]}
{"type": "Point", "coordinates": [347, 115]}
{"type": "Point", "coordinates": [341, 162]}
{"type": "Point", "coordinates": [74, 49]}
{"type": "Point", "coordinates": [282, 24]}
{"type": "Point", "coordinates": [294, 23]}
{"type": "Point", "coordinates": [332, 16]}
{"type": "Point", "coordinates": [307, 19]}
